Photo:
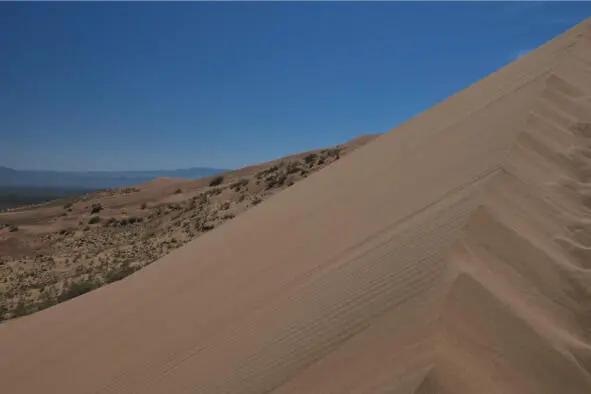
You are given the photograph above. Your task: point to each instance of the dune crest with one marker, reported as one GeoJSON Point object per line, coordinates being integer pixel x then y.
{"type": "Point", "coordinates": [451, 255]}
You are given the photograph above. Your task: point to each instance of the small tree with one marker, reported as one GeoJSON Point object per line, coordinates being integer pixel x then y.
{"type": "Point", "coordinates": [94, 220]}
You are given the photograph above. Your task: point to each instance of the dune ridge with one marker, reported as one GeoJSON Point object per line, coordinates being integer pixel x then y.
{"type": "Point", "coordinates": [451, 255]}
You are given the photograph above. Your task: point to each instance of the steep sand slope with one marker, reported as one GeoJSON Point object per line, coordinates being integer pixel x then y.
{"type": "Point", "coordinates": [451, 255]}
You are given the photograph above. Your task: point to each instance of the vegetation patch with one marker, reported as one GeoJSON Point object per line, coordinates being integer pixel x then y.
{"type": "Point", "coordinates": [310, 158]}
{"type": "Point", "coordinates": [96, 208]}
{"type": "Point", "coordinates": [121, 272]}
{"type": "Point", "coordinates": [218, 180]}
{"type": "Point", "coordinates": [76, 289]}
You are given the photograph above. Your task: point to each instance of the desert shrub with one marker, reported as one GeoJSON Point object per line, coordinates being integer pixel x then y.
{"type": "Point", "coordinates": [178, 191]}
{"type": "Point", "coordinates": [144, 206]}
{"type": "Point", "coordinates": [12, 228]}
{"type": "Point", "coordinates": [21, 309]}
{"type": "Point", "coordinates": [239, 184]}
{"type": "Point", "coordinates": [3, 311]}
{"type": "Point", "coordinates": [271, 169]}
{"type": "Point", "coordinates": [96, 208]}
{"type": "Point", "coordinates": [267, 171]}
{"type": "Point", "coordinates": [277, 181]}
{"type": "Point", "coordinates": [94, 219]}
{"type": "Point", "coordinates": [334, 152]}
{"type": "Point", "coordinates": [68, 205]}
{"type": "Point", "coordinates": [116, 274]}
{"type": "Point", "coordinates": [293, 168]}
{"type": "Point", "coordinates": [310, 158]}
{"type": "Point", "coordinates": [281, 179]}
{"type": "Point", "coordinates": [216, 181]}
{"type": "Point", "coordinates": [111, 222]}
{"type": "Point", "coordinates": [77, 289]}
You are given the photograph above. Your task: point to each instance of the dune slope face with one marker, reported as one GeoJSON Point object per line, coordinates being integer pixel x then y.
{"type": "Point", "coordinates": [451, 255]}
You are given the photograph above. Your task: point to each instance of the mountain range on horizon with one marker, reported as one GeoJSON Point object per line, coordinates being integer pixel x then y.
{"type": "Point", "coordinates": [10, 177]}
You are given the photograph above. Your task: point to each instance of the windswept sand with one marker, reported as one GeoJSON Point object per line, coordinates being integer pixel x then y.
{"type": "Point", "coordinates": [451, 255]}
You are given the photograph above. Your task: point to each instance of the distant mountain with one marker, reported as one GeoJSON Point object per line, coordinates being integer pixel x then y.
{"type": "Point", "coordinates": [95, 179]}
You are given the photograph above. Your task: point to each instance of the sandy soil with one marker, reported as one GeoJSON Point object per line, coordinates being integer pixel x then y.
{"type": "Point", "coordinates": [450, 255]}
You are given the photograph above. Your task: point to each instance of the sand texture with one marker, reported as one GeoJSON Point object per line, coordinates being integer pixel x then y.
{"type": "Point", "coordinates": [451, 255]}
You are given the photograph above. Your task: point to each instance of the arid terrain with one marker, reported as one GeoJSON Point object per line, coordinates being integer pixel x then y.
{"type": "Point", "coordinates": [59, 250]}
{"type": "Point", "coordinates": [451, 255]}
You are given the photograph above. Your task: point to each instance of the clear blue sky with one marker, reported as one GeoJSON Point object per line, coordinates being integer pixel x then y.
{"type": "Point", "coordinates": [108, 86]}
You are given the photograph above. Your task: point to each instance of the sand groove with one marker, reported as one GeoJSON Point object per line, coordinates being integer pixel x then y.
{"type": "Point", "coordinates": [523, 290]}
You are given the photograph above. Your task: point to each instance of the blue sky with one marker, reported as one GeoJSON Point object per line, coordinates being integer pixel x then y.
{"type": "Point", "coordinates": [108, 86]}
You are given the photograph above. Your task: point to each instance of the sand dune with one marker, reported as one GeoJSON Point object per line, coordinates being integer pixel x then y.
{"type": "Point", "coordinates": [52, 252]}
{"type": "Point", "coordinates": [450, 255]}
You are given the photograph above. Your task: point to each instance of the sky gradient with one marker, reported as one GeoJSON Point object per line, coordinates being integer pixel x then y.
{"type": "Point", "coordinates": [138, 86]}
